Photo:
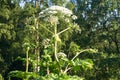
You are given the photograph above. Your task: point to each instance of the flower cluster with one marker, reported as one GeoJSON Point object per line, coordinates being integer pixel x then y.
{"type": "Point", "coordinates": [56, 15]}
{"type": "Point", "coordinates": [52, 19]}
{"type": "Point", "coordinates": [46, 43]}
{"type": "Point", "coordinates": [55, 9]}
{"type": "Point", "coordinates": [74, 17]}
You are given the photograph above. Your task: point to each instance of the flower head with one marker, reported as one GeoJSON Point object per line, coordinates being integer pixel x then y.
{"type": "Point", "coordinates": [54, 13]}
{"type": "Point", "coordinates": [52, 19]}
{"type": "Point", "coordinates": [74, 17]}
{"type": "Point", "coordinates": [55, 10]}
{"type": "Point", "coordinates": [62, 10]}
{"type": "Point", "coordinates": [46, 43]}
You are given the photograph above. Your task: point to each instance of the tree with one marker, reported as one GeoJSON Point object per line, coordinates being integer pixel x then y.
{"type": "Point", "coordinates": [99, 22]}
{"type": "Point", "coordinates": [7, 33]}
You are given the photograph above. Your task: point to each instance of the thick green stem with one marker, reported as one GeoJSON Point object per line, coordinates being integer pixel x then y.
{"type": "Point", "coordinates": [55, 53]}
{"type": "Point", "coordinates": [27, 62]}
{"type": "Point", "coordinates": [48, 71]}
{"type": "Point", "coordinates": [37, 51]}
{"type": "Point", "coordinates": [38, 60]}
{"type": "Point", "coordinates": [63, 31]}
{"type": "Point", "coordinates": [55, 33]}
{"type": "Point", "coordinates": [77, 54]}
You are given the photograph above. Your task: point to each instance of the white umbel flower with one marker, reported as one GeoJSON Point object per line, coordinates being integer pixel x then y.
{"type": "Point", "coordinates": [46, 43]}
{"type": "Point", "coordinates": [74, 17]}
{"type": "Point", "coordinates": [51, 19]}
{"type": "Point", "coordinates": [62, 9]}
{"type": "Point", "coordinates": [55, 10]}
{"type": "Point", "coordinates": [52, 12]}
{"type": "Point", "coordinates": [67, 20]}
{"type": "Point", "coordinates": [52, 15]}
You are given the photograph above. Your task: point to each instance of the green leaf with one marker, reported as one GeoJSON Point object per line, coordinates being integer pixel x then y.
{"type": "Point", "coordinates": [74, 47]}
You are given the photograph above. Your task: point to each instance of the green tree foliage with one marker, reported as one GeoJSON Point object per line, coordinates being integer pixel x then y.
{"type": "Point", "coordinates": [1, 78]}
{"type": "Point", "coordinates": [7, 34]}
{"type": "Point", "coordinates": [99, 21]}
{"type": "Point", "coordinates": [50, 45]}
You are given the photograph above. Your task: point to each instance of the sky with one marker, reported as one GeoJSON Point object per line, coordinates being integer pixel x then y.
{"type": "Point", "coordinates": [22, 3]}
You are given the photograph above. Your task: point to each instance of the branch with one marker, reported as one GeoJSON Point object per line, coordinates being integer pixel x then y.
{"type": "Point", "coordinates": [48, 30]}
{"type": "Point", "coordinates": [79, 53]}
{"type": "Point", "coordinates": [63, 31]}
{"type": "Point", "coordinates": [67, 69]}
{"type": "Point", "coordinates": [43, 27]}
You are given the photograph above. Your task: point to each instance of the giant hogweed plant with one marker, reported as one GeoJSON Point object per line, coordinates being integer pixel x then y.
{"type": "Point", "coordinates": [60, 23]}
{"type": "Point", "coordinates": [54, 16]}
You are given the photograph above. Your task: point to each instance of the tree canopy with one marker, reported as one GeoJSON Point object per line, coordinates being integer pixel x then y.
{"type": "Point", "coordinates": [59, 39]}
